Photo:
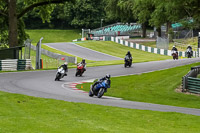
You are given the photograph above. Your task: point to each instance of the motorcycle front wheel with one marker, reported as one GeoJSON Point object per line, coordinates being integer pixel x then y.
{"type": "Point", "coordinates": [76, 74]}
{"type": "Point", "coordinates": [91, 94]}
{"type": "Point", "coordinates": [101, 92]}
{"type": "Point", "coordinates": [57, 77]}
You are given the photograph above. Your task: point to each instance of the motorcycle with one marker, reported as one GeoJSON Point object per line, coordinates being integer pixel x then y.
{"type": "Point", "coordinates": [189, 53]}
{"type": "Point", "coordinates": [127, 61]}
{"type": "Point", "coordinates": [174, 55]}
{"type": "Point", "coordinates": [79, 70]}
{"type": "Point", "coordinates": [60, 74]}
{"type": "Point", "coordinates": [99, 89]}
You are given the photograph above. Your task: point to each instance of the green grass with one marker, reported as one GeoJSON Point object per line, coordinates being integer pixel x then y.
{"type": "Point", "coordinates": [111, 47]}
{"type": "Point", "coordinates": [154, 87]}
{"type": "Point", "coordinates": [119, 50]}
{"type": "Point", "coordinates": [25, 114]}
{"type": "Point", "coordinates": [51, 36]}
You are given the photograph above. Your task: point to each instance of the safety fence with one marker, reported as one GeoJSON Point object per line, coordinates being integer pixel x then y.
{"type": "Point", "coordinates": [15, 64]}
{"type": "Point", "coordinates": [69, 59]}
{"type": "Point", "coordinates": [190, 82]}
{"type": "Point", "coordinates": [103, 38]}
{"type": "Point", "coordinates": [150, 49]}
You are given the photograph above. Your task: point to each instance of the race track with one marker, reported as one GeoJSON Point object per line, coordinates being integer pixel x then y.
{"type": "Point", "coordinates": [42, 84]}
{"type": "Point", "coordinates": [82, 52]}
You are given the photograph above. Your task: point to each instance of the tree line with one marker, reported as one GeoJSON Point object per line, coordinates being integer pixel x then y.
{"type": "Point", "coordinates": [16, 15]}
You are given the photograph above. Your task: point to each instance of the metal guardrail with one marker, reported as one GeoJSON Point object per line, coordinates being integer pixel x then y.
{"type": "Point", "coordinates": [69, 59]}
{"type": "Point", "coordinates": [15, 64]}
{"type": "Point", "coordinates": [190, 82]}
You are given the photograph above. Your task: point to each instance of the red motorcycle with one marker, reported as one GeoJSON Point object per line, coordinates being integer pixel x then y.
{"type": "Point", "coordinates": [174, 55]}
{"type": "Point", "coordinates": [79, 70]}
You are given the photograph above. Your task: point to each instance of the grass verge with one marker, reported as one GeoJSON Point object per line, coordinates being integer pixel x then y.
{"type": "Point", "coordinates": [115, 49]}
{"type": "Point", "coordinates": [154, 87]}
{"type": "Point", "coordinates": [22, 114]}
{"type": "Point", "coordinates": [119, 50]}
{"type": "Point", "coordinates": [51, 36]}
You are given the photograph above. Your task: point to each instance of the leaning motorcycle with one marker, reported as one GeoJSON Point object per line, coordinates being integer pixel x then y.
{"type": "Point", "coordinates": [79, 70]}
{"type": "Point", "coordinates": [60, 74]}
{"type": "Point", "coordinates": [99, 89]}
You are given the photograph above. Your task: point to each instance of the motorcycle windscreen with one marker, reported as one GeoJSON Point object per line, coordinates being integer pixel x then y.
{"type": "Point", "coordinates": [98, 86]}
{"type": "Point", "coordinates": [106, 84]}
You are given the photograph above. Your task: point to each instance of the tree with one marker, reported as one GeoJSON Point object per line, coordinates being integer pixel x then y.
{"type": "Point", "coordinates": [142, 10]}
{"type": "Point", "coordinates": [88, 13]}
{"type": "Point", "coordinates": [120, 10]}
{"type": "Point", "coordinates": [14, 10]}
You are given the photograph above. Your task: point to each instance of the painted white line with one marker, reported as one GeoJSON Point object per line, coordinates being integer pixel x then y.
{"type": "Point", "coordinates": [81, 47]}
{"type": "Point", "coordinates": [97, 51]}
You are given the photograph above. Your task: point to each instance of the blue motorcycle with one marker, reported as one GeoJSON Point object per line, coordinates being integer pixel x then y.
{"type": "Point", "coordinates": [99, 89]}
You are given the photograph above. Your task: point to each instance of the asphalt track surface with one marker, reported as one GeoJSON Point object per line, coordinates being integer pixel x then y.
{"type": "Point", "coordinates": [82, 52]}
{"type": "Point", "coordinates": [42, 84]}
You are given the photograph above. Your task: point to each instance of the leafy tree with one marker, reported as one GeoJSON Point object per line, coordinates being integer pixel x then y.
{"type": "Point", "coordinates": [120, 10]}
{"type": "Point", "coordinates": [88, 13]}
{"type": "Point", "coordinates": [14, 10]}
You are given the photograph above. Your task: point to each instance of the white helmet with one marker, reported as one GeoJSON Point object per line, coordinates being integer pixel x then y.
{"type": "Point", "coordinates": [65, 63]}
{"type": "Point", "coordinates": [108, 76]}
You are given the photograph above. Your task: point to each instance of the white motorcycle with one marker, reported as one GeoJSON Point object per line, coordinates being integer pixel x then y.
{"type": "Point", "coordinates": [60, 74]}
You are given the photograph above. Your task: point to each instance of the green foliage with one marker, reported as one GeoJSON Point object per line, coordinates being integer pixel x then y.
{"type": "Point", "coordinates": [22, 7]}
{"type": "Point", "coordinates": [142, 10]}
{"type": "Point", "coordinates": [115, 10]}
{"type": "Point", "coordinates": [87, 14]}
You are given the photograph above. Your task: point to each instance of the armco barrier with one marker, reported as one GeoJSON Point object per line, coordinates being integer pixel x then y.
{"type": "Point", "coordinates": [24, 64]}
{"type": "Point", "coordinates": [150, 49]}
{"type": "Point", "coordinates": [69, 59]}
{"type": "Point", "coordinates": [194, 85]}
{"type": "Point", "coordinates": [190, 82]}
{"type": "Point", "coordinates": [120, 40]}
{"type": "Point", "coordinates": [15, 64]}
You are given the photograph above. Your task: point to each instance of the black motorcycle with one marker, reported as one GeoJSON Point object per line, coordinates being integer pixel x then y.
{"type": "Point", "coordinates": [189, 53]}
{"type": "Point", "coordinates": [127, 62]}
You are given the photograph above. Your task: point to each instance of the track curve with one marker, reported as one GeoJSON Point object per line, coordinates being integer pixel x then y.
{"type": "Point", "coordinates": [82, 52]}
{"type": "Point", "coordinates": [42, 84]}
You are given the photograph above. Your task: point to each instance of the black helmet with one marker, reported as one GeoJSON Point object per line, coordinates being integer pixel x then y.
{"type": "Point", "coordinates": [108, 76]}
{"type": "Point", "coordinates": [128, 52]}
{"type": "Point", "coordinates": [83, 60]}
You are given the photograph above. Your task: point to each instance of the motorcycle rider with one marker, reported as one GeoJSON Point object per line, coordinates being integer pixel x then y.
{"type": "Point", "coordinates": [107, 77]}
{"type": "Point", "coordinates": [83, 63]}
{"type": "Point", "coordinates": [65, 67]}
{"type": "Point", "coordinates": [189, 47]}
{"type": "Point", "coordinates": [175, 49]}
{"type": "Point", "coordinates": [189, 50]}
{"type": "Point", "coordinates": [128, 56]}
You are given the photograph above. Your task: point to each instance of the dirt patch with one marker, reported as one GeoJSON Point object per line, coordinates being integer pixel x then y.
{"type": "Point", "coordinates": [180, 90]}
